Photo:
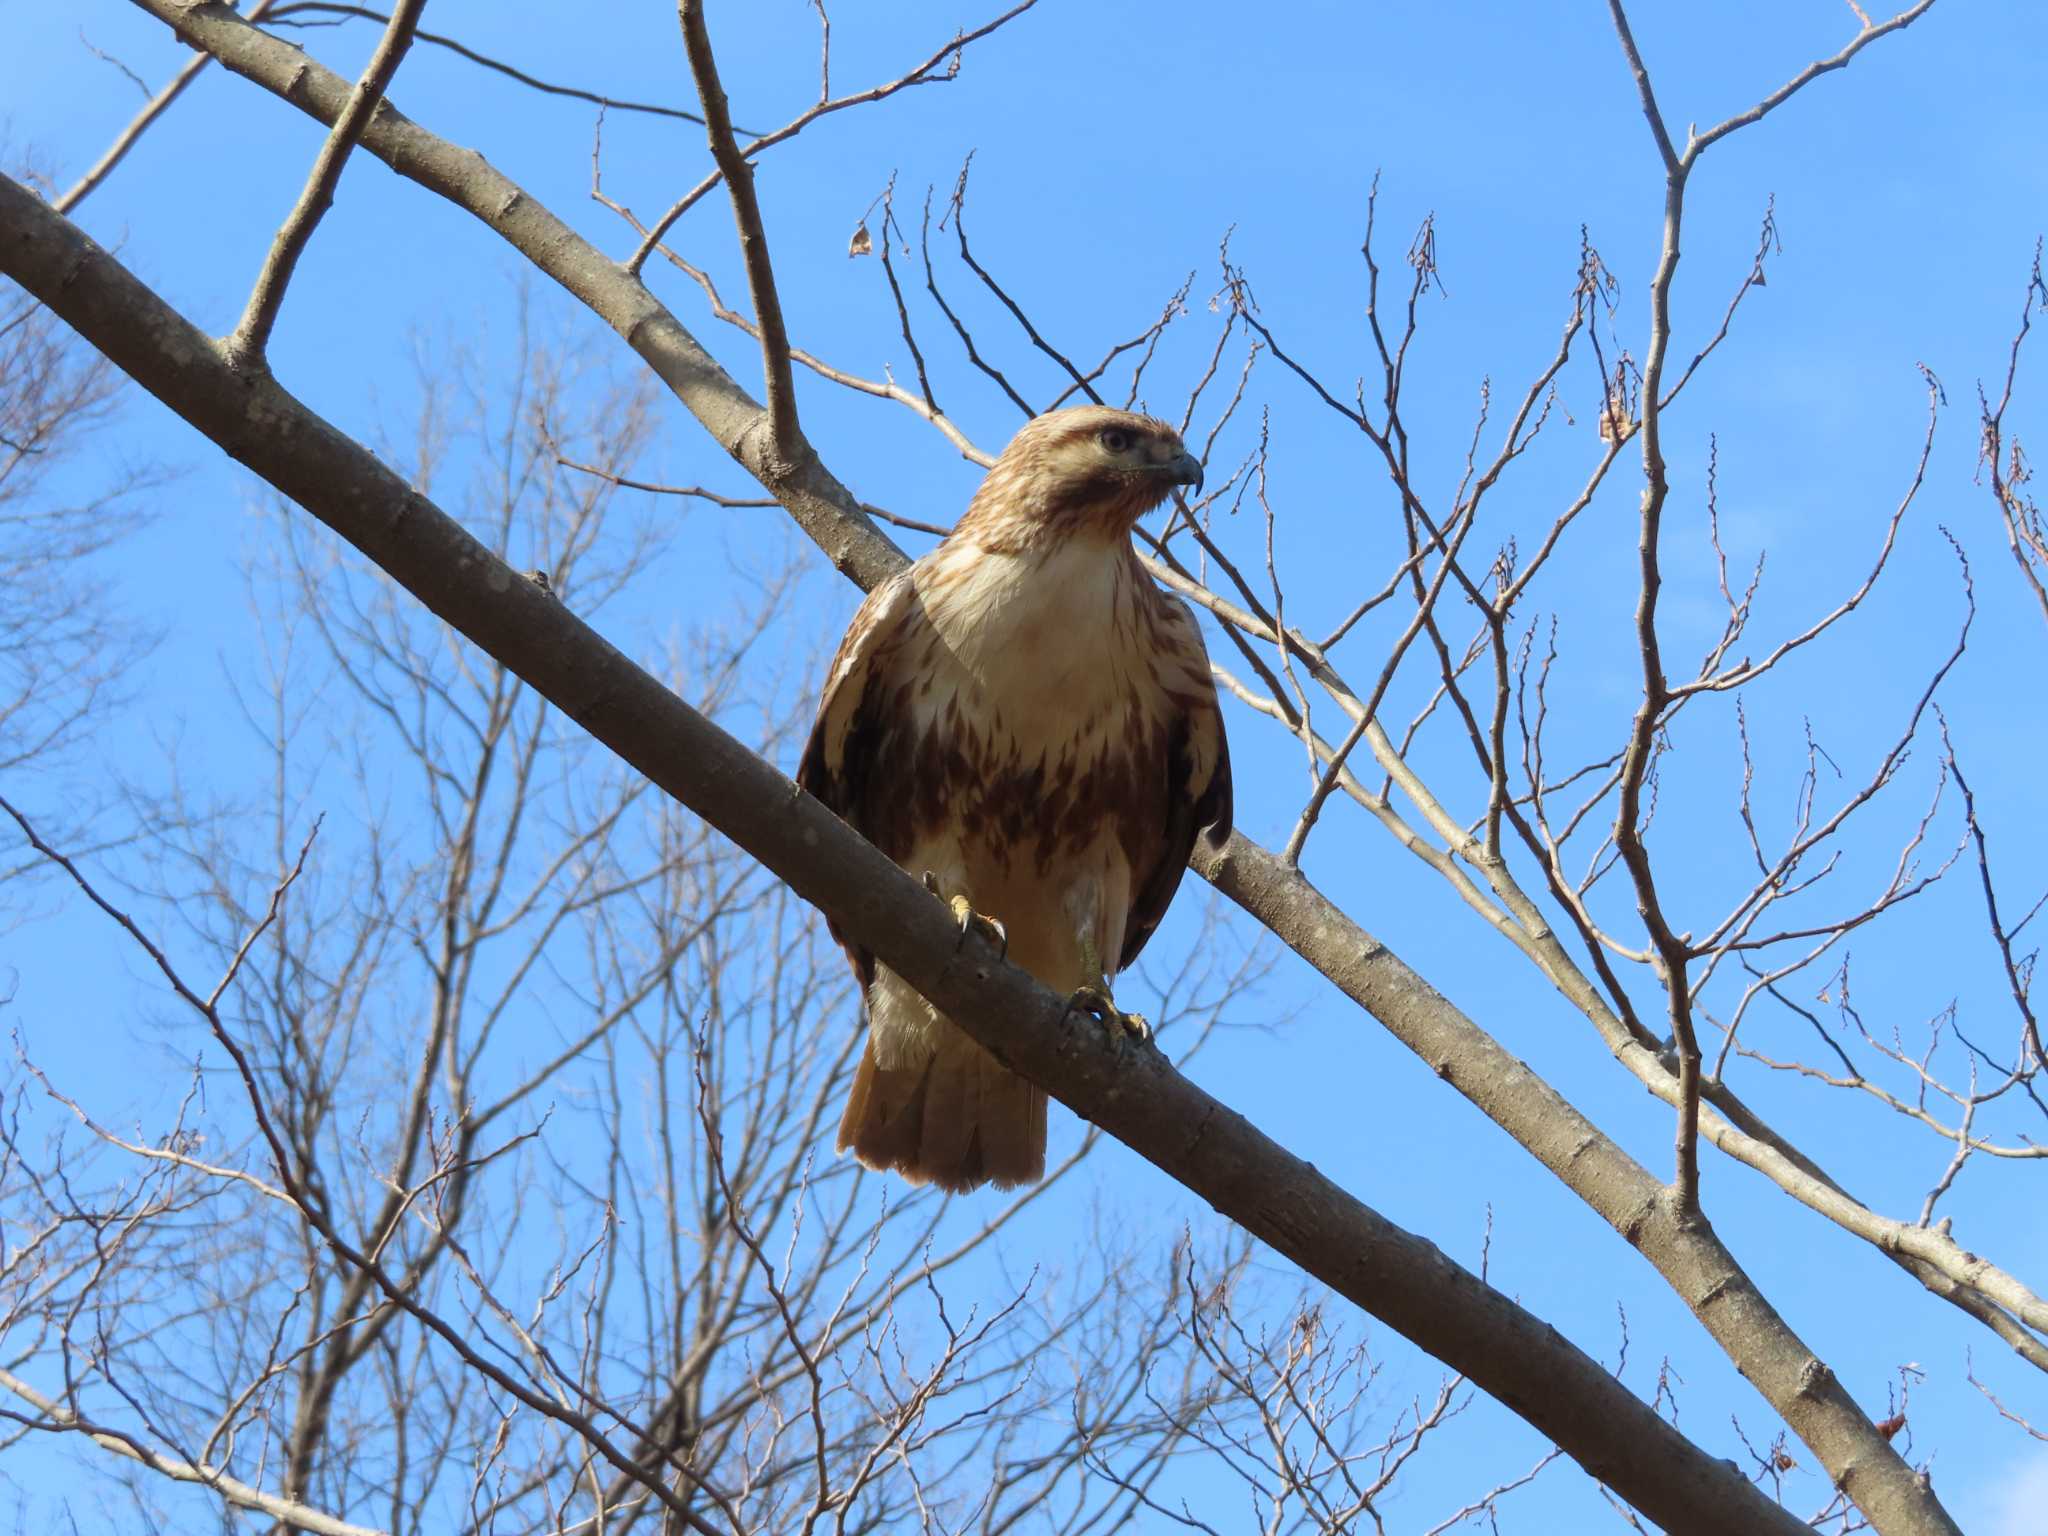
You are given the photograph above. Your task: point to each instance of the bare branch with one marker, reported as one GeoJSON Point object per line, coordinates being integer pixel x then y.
{"type": "Point", "coordinates": [785, 438]}
{"type": "Point", "coordinates": [285, 15]}
{"type": "Point", "coordinates": [251, 338]}
{"type": "Point", "coordinates": [925, 73]}
{"type": "Point", "coordinates": [50, 1414]}
{"type": "Point", "coordinates": [154, 108]}
{"type": "Point", "coordinates": [1785, 92]}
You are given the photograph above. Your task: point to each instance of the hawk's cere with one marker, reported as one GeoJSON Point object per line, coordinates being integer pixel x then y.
{"type": "Point", "coordinates": [1025, 720]}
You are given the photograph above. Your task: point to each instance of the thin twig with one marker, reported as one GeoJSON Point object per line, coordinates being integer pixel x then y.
{"type": "Point", "coordinates": [951, 53]}
{"type": "Point", "coordinates": [785, 438]}
{"type": "Point", "coordinates": [281, 17]}
{"type": "Point", "coordinates": [156, 106]}
{"type": "Point", "coordinates": [251, 338]}
{"type": "Point", "coordinates": [718, 499]}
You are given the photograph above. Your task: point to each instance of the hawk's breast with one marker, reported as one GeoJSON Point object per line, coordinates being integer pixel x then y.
{"type": "Point", "coordinates": [1039, 692]}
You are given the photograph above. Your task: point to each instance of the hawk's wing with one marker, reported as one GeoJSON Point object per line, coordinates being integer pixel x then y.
{"type": "Point", "coordinates": [844, 762]}
{"type": "Point", "coordinates": [1197, 787]}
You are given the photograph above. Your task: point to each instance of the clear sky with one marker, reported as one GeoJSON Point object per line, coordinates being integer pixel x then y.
{"type": "Point", "coordinates": [1114, 146]}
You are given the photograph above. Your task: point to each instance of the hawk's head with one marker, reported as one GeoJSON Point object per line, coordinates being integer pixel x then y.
{"type": "Point", "coordinates": [1088, 468]}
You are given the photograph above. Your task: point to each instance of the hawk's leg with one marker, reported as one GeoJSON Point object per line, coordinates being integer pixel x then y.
{"type": "Point", "coordinates": [1094, 999]}
{"type": "Point", "coordinates": [971, 921]}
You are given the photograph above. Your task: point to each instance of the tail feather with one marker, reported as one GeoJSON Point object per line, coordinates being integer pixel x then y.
{"type": "Point", "coordinates": [1012, 1130]}
{"type": "Point", "coordinates": [949, 1143]}
{"type": "Point", "coordinates": [958, 1119]}
{"type": "Point", "coordinates": [884, 1113]}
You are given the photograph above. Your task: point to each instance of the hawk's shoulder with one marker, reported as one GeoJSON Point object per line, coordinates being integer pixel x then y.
{"type": "Point", "coordinates": [875, 632]}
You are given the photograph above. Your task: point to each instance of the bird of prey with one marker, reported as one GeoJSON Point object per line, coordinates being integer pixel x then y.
{"type": "Point", "coordinates": [1026, 721]}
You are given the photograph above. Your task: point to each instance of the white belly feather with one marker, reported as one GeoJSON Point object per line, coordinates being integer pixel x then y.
{"type": "Point", "coordinates": [1038, 656]}
{"type": "Point", "coordinates": [1038, 646]}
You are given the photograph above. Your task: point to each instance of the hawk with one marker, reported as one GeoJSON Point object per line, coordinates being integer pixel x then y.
{"type": "Point", "coordinates": [1023, 718]}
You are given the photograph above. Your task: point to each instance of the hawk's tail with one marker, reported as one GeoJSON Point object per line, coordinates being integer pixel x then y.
{"type": "Point", "coordinates": [958, 1119]}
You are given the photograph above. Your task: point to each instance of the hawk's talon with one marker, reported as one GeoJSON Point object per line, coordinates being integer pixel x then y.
{"type": "Point", "coordinates": [971, 921]}
{"type": "Point", "coordinates": [989, 928]}
{"type": "Point", "coordinates": [1096, 1002]}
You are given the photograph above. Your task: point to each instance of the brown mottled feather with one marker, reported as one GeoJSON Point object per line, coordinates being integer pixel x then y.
{"type": "Point", "coordinates": [1024, 712]}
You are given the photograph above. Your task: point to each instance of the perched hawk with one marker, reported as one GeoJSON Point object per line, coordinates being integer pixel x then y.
{"type": "Point", "coordinates": [1025, 720]}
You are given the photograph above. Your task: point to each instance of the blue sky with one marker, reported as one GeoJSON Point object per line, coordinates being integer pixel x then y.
{"type": "Point", "coordinates": [1113, 147]}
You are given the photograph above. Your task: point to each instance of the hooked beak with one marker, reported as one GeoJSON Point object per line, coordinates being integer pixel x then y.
{"type": "Point", "coordinates": [1184, 469]}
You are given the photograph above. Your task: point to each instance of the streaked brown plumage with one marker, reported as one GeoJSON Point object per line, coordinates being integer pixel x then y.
{"type": "Point", "coordinates": [1024, 716]}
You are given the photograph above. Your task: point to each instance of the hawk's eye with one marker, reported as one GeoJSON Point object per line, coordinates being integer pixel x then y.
{"type": "Point", "coordinates": [1115, 439]}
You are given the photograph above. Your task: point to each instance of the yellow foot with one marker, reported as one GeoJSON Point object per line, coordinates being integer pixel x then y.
{"type": "Point", "coordinates": [1095, 1001]}
{"type": "Point", "coordinates": [971, 921]}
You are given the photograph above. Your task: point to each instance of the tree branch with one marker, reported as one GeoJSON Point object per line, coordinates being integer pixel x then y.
{"type": "Point", "coordinates": [1672, 951]}
{"type": "Point", "coordinates": [785, 438]}
{"type": "Point", "coordinates": [285, 14]}
{"type": "Point", "coordinates": [299, 1517]}
{"type": "Point", "coordinates": [252, 337]}
{"type": "Point", "coordinates": [154, 108]}
{"type": "Point", "coordinates": [822, 507]}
